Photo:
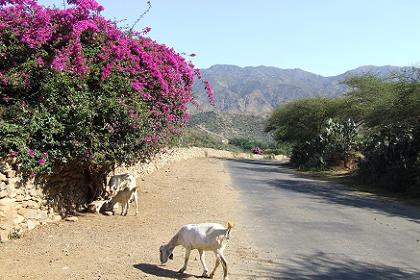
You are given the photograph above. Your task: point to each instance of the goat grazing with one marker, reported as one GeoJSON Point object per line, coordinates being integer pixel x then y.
{"type": "Point", "coordinates": [203, 237]}
{"type": "Point", "coordinates": [124, 197]}
{"type": "Point", "coordinates": [122, 189]}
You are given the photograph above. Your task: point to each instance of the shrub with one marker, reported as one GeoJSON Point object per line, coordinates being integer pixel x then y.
{"type": "Point", "coordinates": [257, 150]}
{"type": "Point", "coordinates": [338, 140]}
{"type": "Point", "coordinates": [77, 90]}
{"type": "Point", "coordinates": [392, 158]}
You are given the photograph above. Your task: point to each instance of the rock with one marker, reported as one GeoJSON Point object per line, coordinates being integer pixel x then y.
{"type": "Point", "coordinates": [35, 192]}
{"type": "Point", "coordinates": [4, 235]}
{"type": "Point", "coordinates": [13, 181]}
{"type": "Point", "coordinates": [29, 213]}
{"type": "Point", "coordinates": [23, 226]}
{"type": "Point", "coordinates": [71, 219]}
{"type": "Point", "coordinates": [15, 233]}
{"type": "Point", "coordinates": [56, 218]}
{"type": "Point", "coordinates": [42, 216]}
{"type": "Point", "coordinates": [6, 201]}
{"type": "Point", "coordinates": [18, 219]}
{"type": "Point", "coordinates": [30, 204]}
{"type": "Point", "coordinates": [11, 190]}
{"type": "Point", "coordinates": [10, 173]}
{"type": "Point", "coordinates": [3, 194]}
{"type": "Point", "coordinates": [31, 224]}
{"type": "Point", "coordinates": [3, 186]}
{"type": "Point", "coordinates": [19, 198]}
{"type": "Point", "coordinates": [3, 177]}
{"type": "Point", "coordinates": [20, 191]}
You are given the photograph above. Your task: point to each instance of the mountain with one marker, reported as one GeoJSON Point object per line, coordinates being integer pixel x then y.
{"type": "Point", "coordinates": [227, 125]}
{"type": "Point", "coordinates": [259, 90]}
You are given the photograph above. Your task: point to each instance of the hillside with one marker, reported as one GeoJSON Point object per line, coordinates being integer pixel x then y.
{"type": "Point", "coordinates": [215, 129]}
{"type": "Point", "coordinates": [228, 126]}
{"type": "Point", "coordinates": [258, 90]}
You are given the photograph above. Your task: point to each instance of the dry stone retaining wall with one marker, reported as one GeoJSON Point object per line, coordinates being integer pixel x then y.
{"type": "Point", "coordinates": [23, 206]}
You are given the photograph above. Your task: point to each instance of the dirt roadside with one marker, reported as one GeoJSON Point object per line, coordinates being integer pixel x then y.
{"type": "Point", "coordinates": [102, 247]}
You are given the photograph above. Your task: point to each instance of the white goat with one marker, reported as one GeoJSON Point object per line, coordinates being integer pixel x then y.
{"type": "Point", "coordinates": [120, 182]}
{"type": "Point", "coordinates": [122, 189]}
{"type": "Point", "coordinates": [124, 197]}
{"type": "Point", "coordinates": [203, 237]}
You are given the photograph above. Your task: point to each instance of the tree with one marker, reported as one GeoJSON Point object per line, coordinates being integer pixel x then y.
{"type": "Point", "coordinates": [301, 120]}
{"type": "Point", "coordinates": [390, 113]}
{"type": "Point", "coordinates": [369, 98]}
{"type": "Point", "coordinates": [77, 92]}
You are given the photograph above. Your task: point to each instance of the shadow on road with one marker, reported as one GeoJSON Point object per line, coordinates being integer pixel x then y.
{"type": "Point", "coordinates": [326, 192]}
{"type": "Point", "coordinates": [331, 266]}
{"type": "Point", "coordinates": [160, 271]}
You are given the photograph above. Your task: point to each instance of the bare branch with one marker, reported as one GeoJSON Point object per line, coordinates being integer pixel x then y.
{"type": "Point", "coordinates": [149, 4]}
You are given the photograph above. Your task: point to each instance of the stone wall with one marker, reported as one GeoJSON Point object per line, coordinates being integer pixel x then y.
{"type": "Point", "coordinates": [22, 205]}
{"type": "Point", "coordinates": [25, 205]}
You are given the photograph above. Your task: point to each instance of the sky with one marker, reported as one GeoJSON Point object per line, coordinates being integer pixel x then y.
{"type": "Point", "coordinates": [326, 37]}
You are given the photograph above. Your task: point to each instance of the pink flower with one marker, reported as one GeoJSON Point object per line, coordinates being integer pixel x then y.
{"type": "Point", "coordinates": [33, 174]}
{"type": "Point", "coordinates": [137, 86]}
{"type": "Point", "coordinates": [40, 61]}
{"type": "Point", "coordinates": [147, 96]}
{"type": "Point", "coordinates": [13, 154]}
{"type": "Point", "coordinates": [61, 39]}
{"type": "Point", "coordinates": [106, 71]}
{"type": "Point", "coordinates": [31, 153]}
{"type": "Point", "coordinates": [146, 30]}
{"type": "Point", "coordinates": [59, 63]}
{"type": "Point", "coordinates": [148, 138]}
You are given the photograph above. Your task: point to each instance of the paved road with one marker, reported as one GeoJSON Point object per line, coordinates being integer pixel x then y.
{"type": "Point", "coordinates": [319, 230]}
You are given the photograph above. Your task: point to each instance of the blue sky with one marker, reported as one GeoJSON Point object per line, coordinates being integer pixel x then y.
{"type": "Point", "coordinates": [326, 37]}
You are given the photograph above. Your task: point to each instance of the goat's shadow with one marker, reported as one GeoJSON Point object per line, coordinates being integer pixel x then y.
{"type": "Point", "coordinates": [161, 272]}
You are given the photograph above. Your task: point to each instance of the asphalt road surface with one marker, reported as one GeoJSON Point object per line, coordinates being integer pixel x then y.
{"type": "Point", "coordinates": [321, 230]}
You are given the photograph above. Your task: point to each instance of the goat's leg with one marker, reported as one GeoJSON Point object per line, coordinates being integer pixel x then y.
{"type": "Point", "coordinates": [187, 256]}
{"type": "Point", "coordinates": [215, 265]}
{"type": "Point", "coordinates": [224, 264]}
{"type": "Point", "coordinates": [136, 202]}
{"type": "Point", "coordinates": [124, 209]}
{"type": "Point", "coordinates": [203, 262]}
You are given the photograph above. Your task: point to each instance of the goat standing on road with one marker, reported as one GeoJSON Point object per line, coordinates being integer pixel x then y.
{"type": "Point", "coordinates": [203, 237]}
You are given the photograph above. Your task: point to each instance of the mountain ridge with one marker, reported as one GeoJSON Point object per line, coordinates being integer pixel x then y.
{"type": "Point", "coordinates": [258, 90]}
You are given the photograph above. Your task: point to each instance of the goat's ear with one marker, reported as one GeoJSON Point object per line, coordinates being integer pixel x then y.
{"type": "Point", "coordinates": [171, 256]}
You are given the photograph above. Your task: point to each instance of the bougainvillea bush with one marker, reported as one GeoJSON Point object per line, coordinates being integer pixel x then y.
{"type": "Point", "coordinates": [257, 150]}
{"type": "Point", "coordinates": [77, 90]}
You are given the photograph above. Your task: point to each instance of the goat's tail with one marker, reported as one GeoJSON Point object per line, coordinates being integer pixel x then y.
{"type": "Point", "coordinates": [229, 227]}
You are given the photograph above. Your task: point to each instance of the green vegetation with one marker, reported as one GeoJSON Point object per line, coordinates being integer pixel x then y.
{"type": "Point", "coordinates": [193, 137]}
{"type": "Point", "coordinates": [233, 132]}
{"type": "Point", "coordinates": [336, 142]}
{"type": "Point", "coordinates": [229, 126]}
{"type": "Point", "coordinates": [79, 94]}
{"type": "Point", "coordinates": [378, 118]}
{"type": "Point", "coordinates": [302, 120]}
{"type": "Point", "coordinates": [247, 144]}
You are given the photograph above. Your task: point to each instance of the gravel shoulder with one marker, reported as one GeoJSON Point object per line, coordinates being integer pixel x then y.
{"type": "Point", "coordinates": [102, 247]}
